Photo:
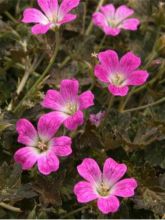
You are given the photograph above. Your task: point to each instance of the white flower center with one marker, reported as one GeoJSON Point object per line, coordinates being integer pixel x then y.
{"type": "Point", "coordinates": [103, 189]}
{"type": "Point", "coordinates": [117, 79]}
{"type": "Point", "coordinates": [71, 108]}
{"type": "Point", "coordinates": [42, 146]}
{"type": "Point", "coordinates": [113, 22]}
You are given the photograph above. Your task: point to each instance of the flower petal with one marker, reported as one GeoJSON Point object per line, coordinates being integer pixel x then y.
{"type": "Point", "coordinates": [27, 133]}
{"type": "Point", "coordinates": [61, 146]}
{"type": "Point", "coordinates": [26, 157]}
{"type": "Point", "coordinates": [69, 90]}
{"type": "Point", "coordinates": [108, 205]}
{"type": "Point", "coordinates": [109, 59]}
{"type": "Point", "coordinates": [101, 72]}
{"type": "Point", "coordinates": [67, 5]}
{"type": "Point", "coordinates": [90, 170]}
{"type": "Point", "coordinates": [84, 192]}
{"type": "Point", "coordinates": [108, 10]}
{"type": "Point", "coordinates": [49, 7]}
{"type": "Point", "coordinates": [118, 91]}
{"type": "Point", "coordinates": [53, 100]}
{"type": "Point", "coordinates": [130, 24]}
{"type": "Point", "coordinates": [99, 20]}
{"type": "Point", "coordinates": [124, 188]}
{"type": "Point", "coordinates": [113, 171]}
{"type": "Point", "coordinates": [32, 15]}
{"type": "Point", "coordinates": [48, 162]}
{"type": "Point", "coordinates": [40, 29]}
{"type": "Point", "coordinates": [67, 18]}
{"type": "Point", "coordinates": [129, 62]}
{"type": "Point", "coordinates": [112, 31]}
{"type": "Point", "coordinates": [123, 12]}
{"type": "Point", "coordinates": [137, 78]}
{"type": "Point", "coordinates": [48, 125]}
{"type": "Point", "coordinates": [72, 122]}
{"type": "Point", "coordinates": [86, 100]}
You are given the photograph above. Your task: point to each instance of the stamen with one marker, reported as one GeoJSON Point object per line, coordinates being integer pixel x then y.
{"type": "Point", "coordinates": [113, 23]}
{"type": "Point", "coordinates": [70, 108]}
{"type": "Point", "coordinates": [117, 79]}
{"type": "Point", "coordinates": [103, 189]}
{"type": "Point", "coordinates": [42, 146]}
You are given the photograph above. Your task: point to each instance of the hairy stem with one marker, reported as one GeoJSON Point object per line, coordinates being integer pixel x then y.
{"type": "Point", "coordinates": [89, 29]}
{"type": "Point", "coordinates": [29, 68]}
{"type": "Point", "coordinates": [145, 106]}
{"type": "Point", "coordinates": [48, 68]}
{"type": "Point", "coordinates": [9, 207]}
{"type": "Point", "coordinates": [75, 211]}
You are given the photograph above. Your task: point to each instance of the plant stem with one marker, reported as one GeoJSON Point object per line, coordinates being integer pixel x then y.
{"type": "Point", "coordinates": [144, 106]}
{"type": "Point", "coordinates": [9, 207]}
{"type": "Point", "coordinates": [135, 90]}
{"type": "Point", "coordinates": [35, 85]}
{"type": "Point", "coordinates": [101, 43]}
{"type": "Point", "coordinates": [111, 99]}
{"type": "Point", "coordinates": [29, 68]}
{"type": "Point", "coordinates": [110, 103]}
{"type": "Point", "coordinates": [89, 29]}
{"type": "Point", "coordinates": [75, 211]}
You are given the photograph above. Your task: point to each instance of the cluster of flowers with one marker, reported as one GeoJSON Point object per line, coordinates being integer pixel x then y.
{"type": "Point", "coordinates": [67, 107]}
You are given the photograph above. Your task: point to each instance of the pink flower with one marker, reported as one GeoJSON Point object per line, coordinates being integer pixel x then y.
{"type": "Point", "coordinates": [67, 105]}
{"type": "Point", "coordinates": [111, 21]}
{"type": "Point", "coordinates": [54, 15]}
{"type": "Point", "coordinates": [103, 187]}
{"type": "Point", "coordinates": [96, 119]}
{"type": "Point", "coordinates": [40, 146]}
{"type": "Point", "coordinates": [120, 74]}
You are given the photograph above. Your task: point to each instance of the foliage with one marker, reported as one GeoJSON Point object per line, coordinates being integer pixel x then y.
{"type": "Point", "coordinates": [133, 137]}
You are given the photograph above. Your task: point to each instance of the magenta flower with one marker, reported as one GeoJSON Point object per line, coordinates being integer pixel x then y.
{"type": "Point", "coordinates": [40, 146]}
{"type": "Point", "coordinates": [96, 119]}
{"type": "Point", "coordinates": [54, 15]}
{"type": "Point", "coordinates": [111, 21]}
{"type": "Point", "coordinates": [103, 187]}
{"type": "Point", "coordinates": [120, 74]}
{"type": "Point", "coordinates": [67, 105]}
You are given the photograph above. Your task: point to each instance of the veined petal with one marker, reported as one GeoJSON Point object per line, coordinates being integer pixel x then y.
{"type": "Point", "coordinates": [123, 12]}
{"type": "Point", "coordinates": [32, 15]}
{"type": "Point", "coordinates": [49, 7]}
{"type": "Point", "coordinates": [26, 157]}
{"type": "Point", "coordinates": [53, 100]}
{"type": "Point", "coordinates": [67, 18]}
{"type": "Point", "coordinates": [69, 90]}
{"type": "Point", "coordinates": [99, 20]}
{"type": "Point", "coordinates": [86, 100]}
{"type": "Point", "coordinates": [48, 125]}
{"type": "Point", "coordinates": [101, 72]}
{"type": "Point", "coordinates": [40, 29]}
{"type": "Point", "coordinates": [137, 78]}
{"type": "Point", "coordinates": [72, 122]}
{"type": "Point", "coordinates": [90, 171]}
{"type": "Point", "coordinates": [27, 133]}
{"type": "Point", "coordinates": [118, 91]}
{"type": "Point", "coordinates": [129, 62]}
{"type": "Point", "coordinates": [67, 5]}
{"type": "Point", "coordinates": [124, 188]}
{"type": "Point", "coordinates": [109, 59]}
{"type": "Point", "coordinates": [61, 146]}
{"type": "Point", "coordinates": [113, 171]}
{"type": "Point", "coordinates": [84, 192]}
{"type": "Point", "coordinates": [130, 24]}
{"type": "Point", "coordinates": [48, 162]}
{"type": "Point", "coordinates": [108, 205]}
{"type": "Point", "coordinates": [108, 10]}
{"type": "Point", "coordinates": [111, 31]}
